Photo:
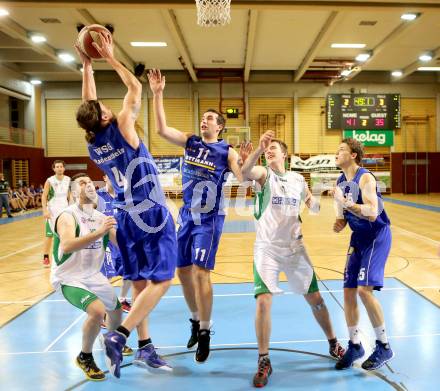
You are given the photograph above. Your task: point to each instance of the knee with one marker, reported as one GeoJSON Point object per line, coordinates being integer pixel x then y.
{"type": "Point", "coordinates": [201, 275]}
{"type": "Point", "coordinates": [97, 315]}
{"type": "Point", "coordinates": [264, 302]}
{"type": "Point", "coordinates": [365, 293]}
{"type": "Point", "coordinates": [184, 273]}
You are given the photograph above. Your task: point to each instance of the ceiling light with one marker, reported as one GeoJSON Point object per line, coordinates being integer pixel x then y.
{"type": "Point", "coordinates": [66, 57]}
{"type": "Point", "coordinates": [38, 38]}
{"type": "Point", "coordinates": [428, 68]}
{"type": "Point", "coordinates": [348, 45]}
{"type": "Point", "coordinates": [396, 73]}
{"type": "Point", "coordinates": [35, 82]}
{"type": "Point", "coordinates": [346, 72]}
{"type": "Point", "coordinates": [148, 44]}
{"type": "Point", "coordinates": [409, 16]}
{"type": "Point", "coordinates": [4, 12]}
{"type": "Point", "coordinates": [425, 57]}
{"type": "Point", "coordinates": [363, 57]}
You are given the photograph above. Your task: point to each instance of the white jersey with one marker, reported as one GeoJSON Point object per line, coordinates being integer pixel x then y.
{"type": "Point", "coordinates": [81, 265]}
{"type": "Point", "coordinates": [57, 199]}
{"type": "Point", "coordinates": [277, 210]}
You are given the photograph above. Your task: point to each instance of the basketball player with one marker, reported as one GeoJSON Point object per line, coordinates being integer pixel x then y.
{"type": "Point", "coordinates": [55, 199]}
{"type": "Point", "coordinates": [207, 161]}
{"type": "Point", "coordinates": [81, 234]}
{"type": "Point", "coordinates": [361, 206]}
{"type": "Point", "coordinates": [279, 245]}
{"type": "Point", "coordinates": [112, 265]}
{"type": "Point", "coordinates": [146, 232]}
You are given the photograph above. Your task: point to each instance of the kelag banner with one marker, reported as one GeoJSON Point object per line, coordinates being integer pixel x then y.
{"type": "Point", "coordinates": [372, 138]}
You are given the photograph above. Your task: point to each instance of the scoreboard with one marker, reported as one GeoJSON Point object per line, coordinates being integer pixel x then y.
{"type": "Point", "coordinates": [363, 111]}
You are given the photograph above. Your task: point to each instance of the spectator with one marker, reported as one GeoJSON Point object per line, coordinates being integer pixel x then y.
{"type": "Point", "coordinates": [4, 201]}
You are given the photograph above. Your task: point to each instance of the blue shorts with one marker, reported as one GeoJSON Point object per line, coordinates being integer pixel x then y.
{"type": "Point", "coordinates": [112, 265]}
{"type": "Point", "coordinates": [146, 254]}
{"type": "Point", "coordinates": [198, 243]}
{"type": "Point", "coordinates": [366, 259]}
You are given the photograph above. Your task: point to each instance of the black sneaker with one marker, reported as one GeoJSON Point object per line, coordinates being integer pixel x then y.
{"type": "Point", "coordinates": [195, 327]}
{"type": "Point", "coordinates": [264, 371]}
{"type": "Point", "coordinates": [90, 369]}
{"type": "Point", "coordinates": [202, 352]}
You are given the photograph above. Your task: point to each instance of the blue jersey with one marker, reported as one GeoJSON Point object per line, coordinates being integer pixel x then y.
{"type": "Point", "coordinates": [203, 174]}
{"type": "Point", "coordinates": [351, 190]}
{"type": "Point", "coordinates": [132, 172]}
{"type": "Point", "coordinates": [105, 202]}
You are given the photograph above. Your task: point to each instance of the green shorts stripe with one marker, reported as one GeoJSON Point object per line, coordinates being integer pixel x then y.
{"type": "Point", "coordinates": [259, 285]}
{"type": "Point", "coordinates": [49, 233]}
{"type": "Point", "coordinates": [78, 297]}
{"type": "Point", "coordinates": [313, 285]}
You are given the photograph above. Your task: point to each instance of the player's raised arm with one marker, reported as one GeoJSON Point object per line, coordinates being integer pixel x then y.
{"type": "Point", "coordinates": [88, 84]}
{"type": "Point", "coordinates": [132, 101]}
{"type": "Point", "coordinates": [249, 170]}
{"type": "Point", "coordinates": [157, 85]}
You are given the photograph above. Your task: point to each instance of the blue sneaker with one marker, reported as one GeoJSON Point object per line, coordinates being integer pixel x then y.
{"type": "Point", "coordinates": [113, 343]}
{"type": "Point", "coordinates": [148, 358]}
{"type": "Point", "coordinates": [353, 353]}
{"type": "Point", "coordinates": [381, 355]}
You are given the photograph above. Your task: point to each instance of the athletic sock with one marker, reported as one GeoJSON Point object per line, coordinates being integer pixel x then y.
{"type": "Point", "coordinates": [195, 315]}
{"type": "Point", "coordinates": [204, 324]}
{"type": "Point", "coordinates": [354, 334]}
{"type": "Point", "coordinates": [122, 330]}
{"type": "Point", "coordinates": [381, 334]}
{"type": "Point", "coordinates": [144, 342]}
{"type": "Point", "coordinates": [85, 356]}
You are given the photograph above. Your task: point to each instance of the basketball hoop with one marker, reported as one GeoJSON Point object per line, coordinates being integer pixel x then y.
{"type": "Point", "coordinates": [212, 13]}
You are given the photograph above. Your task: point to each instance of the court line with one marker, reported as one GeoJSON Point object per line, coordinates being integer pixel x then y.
{"type": "Point", "coordinates": [65, 331]}
{"type": "Point", "coordinates": [20, 251]}
{"type": "Point", "coordinates": [228, 344]}
{"type": "Point", "coordinates": [422, 237]}
{"type": "Point", "coordinates": [235, 294]}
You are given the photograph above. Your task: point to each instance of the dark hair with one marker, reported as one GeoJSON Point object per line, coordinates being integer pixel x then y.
{"type": "Point", "coordinates": [282, 144]}
{"type": "Point", "coordinates": [58, 161]}
{"type": "Point", "coordinates": [89, 117]}
{"type": "Point", "coordinates": [355, 147]}
{"type": "Point", "coordinates": [220, 119]}
{"type": "Point", "coordinates": [79, 175]}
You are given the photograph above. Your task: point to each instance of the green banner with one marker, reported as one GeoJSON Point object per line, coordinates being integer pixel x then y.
{"type": "Point", "coordinates": [372, 138]}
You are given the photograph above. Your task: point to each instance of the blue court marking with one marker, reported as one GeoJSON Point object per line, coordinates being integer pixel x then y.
{"type": "Point", "coordinates": [413, 324]}
{"type": "Point", "coordinates": [7, 220]}
{"type": "Point", "coordinates": [431, 208]}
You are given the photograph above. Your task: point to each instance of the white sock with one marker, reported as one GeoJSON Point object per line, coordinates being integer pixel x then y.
{"type": "Point", "coordinates": [354, 334]}
{"type": "Point", "coordinates": [195, 316]}
{"type": "Point", "coordinates": [381, 334]}
{"type": "Point", "coordinates": [204, 324]}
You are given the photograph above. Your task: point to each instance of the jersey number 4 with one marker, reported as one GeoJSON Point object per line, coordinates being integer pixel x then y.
{"type": "Point", "coordinates": [119, 178]}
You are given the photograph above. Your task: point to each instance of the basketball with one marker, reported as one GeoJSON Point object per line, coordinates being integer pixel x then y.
{"type": "Point", "coordinates": [87, 36]}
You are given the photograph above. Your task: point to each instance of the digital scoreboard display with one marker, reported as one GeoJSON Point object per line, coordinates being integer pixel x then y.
{"type": "Point", "coordinates": [363, 111]}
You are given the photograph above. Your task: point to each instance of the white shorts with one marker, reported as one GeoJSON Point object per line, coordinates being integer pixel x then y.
{"type": "Point", "coordinates": [81, 293]}
{"type": "Point", "coordinates": [269, 261]}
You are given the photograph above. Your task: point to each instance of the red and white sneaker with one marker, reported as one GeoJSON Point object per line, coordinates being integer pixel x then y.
{"type": "Point", "coordinates": [125, 305]}
{"type": "Point", "coordinates": [46, 262]}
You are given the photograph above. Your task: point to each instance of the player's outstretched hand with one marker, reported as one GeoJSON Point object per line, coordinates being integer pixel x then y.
{"type": "Point", "coordinates": [266, 139]}
{"type": "Point", "coordinates": [246, 148]}
{"type": "Point", "coordinates": [156, 80]}
{"type": "Point", "coordinates": [83, 57]}
{"type": "Point", "coordinates": [106, 47]}
{"type": "Point", "coordinates": [107, 224]}
{"type": "Point", "coordinates": [339, 225]}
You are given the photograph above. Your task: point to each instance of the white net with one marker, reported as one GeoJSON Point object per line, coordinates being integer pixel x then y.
{"type": "Point", "coordinates": [211, 13]}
